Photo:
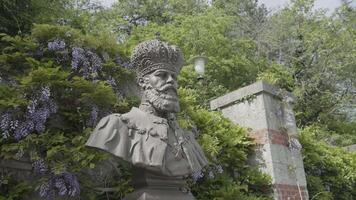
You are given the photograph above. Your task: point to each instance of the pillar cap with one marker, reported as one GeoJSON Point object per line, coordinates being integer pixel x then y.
{"type": "Point", "coordinates": [253, 89]}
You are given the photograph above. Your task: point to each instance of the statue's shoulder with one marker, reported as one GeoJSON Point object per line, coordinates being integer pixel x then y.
{"type": "Point", "coordinates": [107, 131]}
{"type": "Point", "coordinates": [118, 121]}
{"type": "Point", "coordinates": [110, 121]}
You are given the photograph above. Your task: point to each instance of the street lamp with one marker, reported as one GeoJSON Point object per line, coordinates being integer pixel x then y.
{"type": "Point", "coordinates": [199, 66]}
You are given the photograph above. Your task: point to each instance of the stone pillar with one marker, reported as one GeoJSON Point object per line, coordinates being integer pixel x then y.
{"type": "Point", "coordinates": [267, 111]}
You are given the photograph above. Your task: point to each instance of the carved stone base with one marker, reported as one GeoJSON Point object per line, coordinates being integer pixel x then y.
{"type": "Point", "coordinates": [152, 194]}
{"type": "Point", "coordinates": [149, 186]}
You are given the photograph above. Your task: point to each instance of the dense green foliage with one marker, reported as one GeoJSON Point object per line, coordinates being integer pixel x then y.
{"type": "Point", "coordinates": [331, 171]}
{"type": "Point", "coordinates": [35, 76]}
{"type": "Point", "coordinates": [77, 62]}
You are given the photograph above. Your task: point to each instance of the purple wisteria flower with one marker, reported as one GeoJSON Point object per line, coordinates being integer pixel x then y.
{"type": "Point", "coordinates": [87, 62]}
{"type": "Point", "coordinates": [63, 184]}
{"type": "Point", "coordinates": [72, 184]}
{"type": "Point", "coordinates": [47, 190]}
{"type": "Point", "coordinates": [210, 173]}
{"type": "Point", "coordinates": [219, 169]}
{"type": "Point", "coordinates": [40, 117]}
{"type": "Point", "coordinates": [45, 93]}
{"type": "Point", "coordinates": [93, 116]}
{"type": "Point", "coordinates": [56, 45]}
{"type": "Point", "coordinates": [38, 111]}
{"type": "Point", "coordinates": [5, 121]}
{"type": "Point", "coordinates": [6, 124]}
{"type": "Point", "coordinates": [62, 57]}
{"type": "Point", "coordinates": [197, 175]}
{"type": "Point", "coordinates": [52, 106]}
{"type": "Point", "coordinates": [23, 129]}
{"type": "Point", "coordinates": [122, 62]}
{"type": "Point", "coordinates": [111, 81]}
{"type": "Point", "coordinates": [78, 56]}
{"type": "Point", "coordinates": [39, 167]}
{"type": "Point", "coordinates": [95, 61]}
{"type": "Point", "coordinates": [9, 125]}
{"type": "Point", "coordinates": [31, 108]}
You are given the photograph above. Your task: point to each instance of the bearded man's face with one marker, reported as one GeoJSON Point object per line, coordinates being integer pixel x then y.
{"type": "Point", "coordinates": [160, 89]}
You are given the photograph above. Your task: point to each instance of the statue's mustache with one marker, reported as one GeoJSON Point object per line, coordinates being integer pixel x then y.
{"type": "Point", "coordinates": [167, 88]}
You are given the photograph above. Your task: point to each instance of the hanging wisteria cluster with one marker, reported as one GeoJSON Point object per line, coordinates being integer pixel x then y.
{"type": "Point", "coordinates": [40, 167]}
{"type": "Point", "coordinates": [63, 184]}
{"type": "Point", "coordinates": [210, 172]}
{"type": "Point", "coordinates": [56, 45]}
{"type": "Point", "coordinates": [86, 62]}
{"type": "Point", "coordinates": [7, 125]}
{"type": "Point", "coordinates": [41, 106]}
{"type": "Point", "coordinates": [93, 119]}
{"type": "Point", "coordinates": [122, 62]}
{"type": "Point", "coordinates": [197, 175]}
{"type": "Point", "coordinates": [59, 47]}
{"type": "Point", "coordinates": [83, 61]}
{"type": "Point", "coordinates": [111, 81]}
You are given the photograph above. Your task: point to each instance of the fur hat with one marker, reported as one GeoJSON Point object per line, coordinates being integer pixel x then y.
{"type": "Point", "coordinates": [154, 54]}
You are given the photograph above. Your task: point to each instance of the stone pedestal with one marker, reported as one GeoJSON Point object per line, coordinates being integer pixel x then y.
{"type": "Point", "coordinates": [20, 170]}
{"type": "Point", "coordinates": [149, 186]}
{"type": "Point", "coordinates": [267, 111]}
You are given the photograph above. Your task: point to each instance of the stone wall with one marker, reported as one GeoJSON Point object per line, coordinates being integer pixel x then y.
{"type": "Point", "coordinates": [351, 148]}
{"type": "Point", "coordinates": [268, 112]}
{"type": "Point", "coordinates": [21, 170]}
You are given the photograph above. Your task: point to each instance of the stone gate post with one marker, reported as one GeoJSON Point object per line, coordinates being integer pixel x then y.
{"type": "Point", "coordinates": [267, 112]}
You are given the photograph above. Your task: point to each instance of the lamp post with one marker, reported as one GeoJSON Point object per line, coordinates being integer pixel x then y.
{"type": "Point", "coordinates": [199, 66]}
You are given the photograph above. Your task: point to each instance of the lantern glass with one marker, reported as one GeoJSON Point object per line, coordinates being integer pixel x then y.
{"type": "Point", "coordinates": [199, 65]}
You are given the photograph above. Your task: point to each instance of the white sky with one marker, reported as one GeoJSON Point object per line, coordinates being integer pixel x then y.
{"type": "Point", "coordinates": [330, 5]}
{"type": "Point", "coordinates": [275, 4]}
{"type": "Point", "coordinates": [107, 3]}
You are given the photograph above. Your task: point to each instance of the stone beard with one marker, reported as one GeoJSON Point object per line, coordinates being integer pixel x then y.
{"type": "Point", "coordinates": [164, 99]}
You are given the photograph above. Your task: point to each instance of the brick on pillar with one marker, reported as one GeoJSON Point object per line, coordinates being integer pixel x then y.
{"type": "Point", "coordinates": [267, 112]}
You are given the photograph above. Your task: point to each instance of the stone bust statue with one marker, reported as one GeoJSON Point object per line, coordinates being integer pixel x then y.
{"type": "Point", "coordinates": [149, 136]}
